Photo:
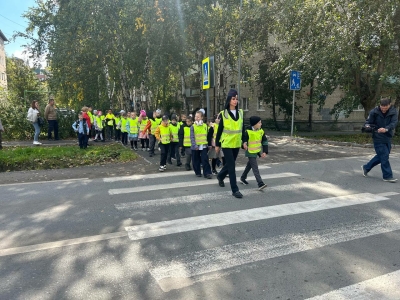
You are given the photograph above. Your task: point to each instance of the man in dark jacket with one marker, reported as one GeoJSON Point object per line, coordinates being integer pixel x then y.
{"type": "Point", "coordinates": [383, 120]}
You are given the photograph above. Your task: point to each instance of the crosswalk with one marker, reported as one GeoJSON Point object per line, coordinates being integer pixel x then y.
{"type": "Point", "coordinates": [355, 213]}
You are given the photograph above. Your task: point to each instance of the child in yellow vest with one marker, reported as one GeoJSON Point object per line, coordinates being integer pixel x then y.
{"type": "Point", "coordinates": [143, 134]}
{"type": "Point", "coordinates": [164, 136]}
{"type": "Point", "coordinates": [185, 143]}
{"type": "Point", "coordinates": [212, 154]}
{"type": "Point", "coordinates": [254, 142]}
{"type": "Point", "coordinates": [99, 126]}
{"type": "Point", "coordinates": [132, 127]}
{"type": "Point", "coordinates": [198, 138]}
{"type": "Point", "coordinates": [124, 130]}
{"type": "Point", "coordinates": [173, 152]}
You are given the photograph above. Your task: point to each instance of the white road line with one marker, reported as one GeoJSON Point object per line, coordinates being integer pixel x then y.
{"type": "Point", "coordinates": [166, 174]}
{"type": "Point", "coordinates": [261, 213]}
{"type": "Point", "coordinates": [58, 244]}
{"type": "Point", "coordinates": [186, 184]}
{"type": "Point", "coordinates": [149, 205]}
{"type": "Point", "coordinates": [85, 180]}
{"type": "Point", "coordinates": [184, 270]}
{"type": "Point", "coordinates": [385, 287]}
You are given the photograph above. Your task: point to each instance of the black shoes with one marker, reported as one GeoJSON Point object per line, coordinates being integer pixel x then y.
{"type": "Point", "coordinates": [179, 164]}
{"type": "Point", "coordinates": [237, 194]}
{"type": "Point", "coordinates": [365, 173]}
{"type": "Point", "coordinates": [220, 182]}
{"type": "Point", "coordinates": [244, 181]}
{"type": "Point", "coordinates": [261, 186]}
{"type": "Point", "coordinates": [208, 176]}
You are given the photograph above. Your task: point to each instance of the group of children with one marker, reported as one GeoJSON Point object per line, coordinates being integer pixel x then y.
{"type": "Point", "coordinates": [189, 137]}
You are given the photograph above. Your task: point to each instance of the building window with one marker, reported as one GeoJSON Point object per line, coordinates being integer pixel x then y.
{"type": "Point", "coordinates": [260, 104]}
{"type": "Point", "coordinates": [245, 104]}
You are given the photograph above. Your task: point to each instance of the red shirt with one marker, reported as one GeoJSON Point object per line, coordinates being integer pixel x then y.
{"type": "Point", "coordinates": [87, 118]}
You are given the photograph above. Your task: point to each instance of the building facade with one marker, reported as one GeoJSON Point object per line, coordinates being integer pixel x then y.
{"type": "Point", "coordinates": [3, 73]}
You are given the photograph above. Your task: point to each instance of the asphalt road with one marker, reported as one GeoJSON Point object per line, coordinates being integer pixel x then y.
{"type": "Point", "coordinates": [133, 233]}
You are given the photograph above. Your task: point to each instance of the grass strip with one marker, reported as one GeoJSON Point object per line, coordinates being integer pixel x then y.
{"type": "Point", "coordinates": [59, 157]}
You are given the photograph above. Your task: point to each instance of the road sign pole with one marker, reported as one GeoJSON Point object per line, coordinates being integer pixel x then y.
{"type": "Point", "coordinates": [291, 130]}
{"type": "Point", "coordinates": [208, 104]}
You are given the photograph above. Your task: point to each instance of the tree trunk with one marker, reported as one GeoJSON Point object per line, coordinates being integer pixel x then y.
{"type": "Point", "coordinates": [124, 85]}
{"type": "Point", "coordinates": [183, 94]}
{"type": "Point", "coordinates": [310, 108]}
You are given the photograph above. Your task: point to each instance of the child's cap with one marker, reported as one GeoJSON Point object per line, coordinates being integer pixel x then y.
{"type": "Point", "coordinates": [143, 113]}
{"type": "Point", "coordinates": [165, 118]}
{"type": "Point", "coordinates": [254, 120]}
{"type": "Point", "coordinates": [158, 111]}
{"type": "Point", "coordinates": [173, 117]}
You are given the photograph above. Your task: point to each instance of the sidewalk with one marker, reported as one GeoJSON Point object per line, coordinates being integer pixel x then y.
{"type": "Point", "coordinates": [271, 133]}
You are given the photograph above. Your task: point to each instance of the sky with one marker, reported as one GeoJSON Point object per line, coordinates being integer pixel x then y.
{"type": "Point", "coordinates": [11, 20]}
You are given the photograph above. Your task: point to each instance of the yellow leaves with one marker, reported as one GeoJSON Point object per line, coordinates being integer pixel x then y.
{"type": "Point", "coordinates": [139, 24]}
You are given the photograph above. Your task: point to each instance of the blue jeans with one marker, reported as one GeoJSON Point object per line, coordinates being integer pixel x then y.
{"type": "Point", "coordinates": [381, 157]}
{"type": "Point", "coordinates": [37, 131]}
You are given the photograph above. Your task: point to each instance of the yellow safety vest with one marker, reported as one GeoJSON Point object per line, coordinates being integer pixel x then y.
{"type": "Point", "coordinates": [90, 117]}
{"type": "Point", "coordinates": [165, 134]}
{"type": "Point", "coordinates": [186, 137]}
{"type": "Point", "coordinates": [110, 116]}
{"type": "Point", "coordinates": [158, 121]}
{"type": "Point", "coordinates": [99, 122]}
{"type": "Point", "coordinates": [232, 133]}
{"type": "Point", "coordinates": [174, 131]}
{"type": "Point", "coordinates": [200, 134]}
{"type": "Point", "coordinates": [215, 131]}
{"type": "Point", "coordinates": [117, 119]}
{"type": "Point", "coordinates": [143, 125]}
{"type": "Point", "coordinates": [123, 124]}
{"type": "Point", "coordinates": [154, 126]}
{"type": "Point", "coordinates": [254, 143]}
{"type": "Point", "coordinates": [133, 126]}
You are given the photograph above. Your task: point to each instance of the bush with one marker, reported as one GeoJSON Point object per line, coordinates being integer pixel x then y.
{"type": "Point", "coordinates": [17, 127]}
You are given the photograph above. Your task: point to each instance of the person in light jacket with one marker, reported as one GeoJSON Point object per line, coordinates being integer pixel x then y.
{"type": "Point", "coordinates": [33, 117]}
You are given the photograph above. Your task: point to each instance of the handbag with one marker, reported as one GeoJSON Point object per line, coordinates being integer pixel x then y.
{"type": "Point", "coordinates": [40, 121]}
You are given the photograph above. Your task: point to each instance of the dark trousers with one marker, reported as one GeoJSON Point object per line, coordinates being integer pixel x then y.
{"type": "Point", "coordinates": [164, 152]}
{"type": "Point", "coordinates": [201, 157]}
{"type": "Point", "coordinates": [83, 140]}
{"type": "Point", "coordinates": [188, 154]}
{"type": "Point", "coordinates": [152, 143]}
{"type": "Point", "coordinates": [381, 157]}
{"type": "Point", "coordinates": [125, 138]}
{"type": "Point", "coordinates": [145, 143]}
{"type": "Point", "coordinates": [92, 132]}
{"type": "Point", "coordinates": [117, 134]}
{"type": "Point", "coordinates": [230, 155]}
{"type": "Point", "coordinates": [53, 126]}
{"type": "Point", "coordinates": [173, 152]}
{"type": "Point", "coordinates": [252, 165]}
{"type": "Point", "coordinates": [110, 129]}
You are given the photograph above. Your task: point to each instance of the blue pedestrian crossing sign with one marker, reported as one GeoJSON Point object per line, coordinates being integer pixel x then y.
{"type": "Point", "coordinates": [295, 80]}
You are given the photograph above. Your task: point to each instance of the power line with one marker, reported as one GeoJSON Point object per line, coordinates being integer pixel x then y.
{"type": "Point", "coordinates": [12, 21]}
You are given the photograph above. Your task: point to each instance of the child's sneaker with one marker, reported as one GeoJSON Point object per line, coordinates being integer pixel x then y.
{"type": "Point", "coordinates": [161, 169]}
{"type": "Point", "coordinates": [261, 186]}
{"type": "Point", "coordinates": [215, 172]}
{"type": "Point", "coordinates": [143, 149]}
{"type": "Point", "coordinates": [165, 167]}
{"type": "Point", "coordinates": [244, 181]}
{"type": "Point", "coordinates": [135, 148]}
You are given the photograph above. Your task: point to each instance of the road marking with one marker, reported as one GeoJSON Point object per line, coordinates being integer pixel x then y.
{"type": "Point", "coordinates": [186, 184]}
{"type": "Point", "coordinates": [149, 205]}
{"type": "Point", "coordinates": [261, 213]}
{"type": "Point", "coordinates": [385, 287]}
{"type": "Point", "coordinates": [48, 181]}
{"type": "Point", "coordinates": [58, 244]}
{"type": "Point", "coordinates": [163, 175]}
{"type": "Point", "coordinates": [187, 269]}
